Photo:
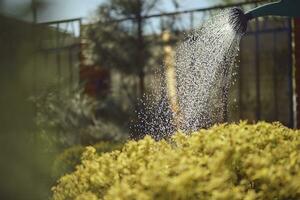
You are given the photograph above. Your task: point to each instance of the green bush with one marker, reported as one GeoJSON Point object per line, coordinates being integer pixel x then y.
{"type": "Point", "coordinates": [236, 161]}
{"type": "Point", "coordinates": [73, 118]}
{"type": "Point", "coordinates": [67, 161]}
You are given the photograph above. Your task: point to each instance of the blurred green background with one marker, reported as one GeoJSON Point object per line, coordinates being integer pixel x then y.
{"type": "Point", "coordinates": [71, 76]}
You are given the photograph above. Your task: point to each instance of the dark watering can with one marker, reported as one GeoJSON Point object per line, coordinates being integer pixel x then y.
{"type": "Point", "coordinates": [288, 8]}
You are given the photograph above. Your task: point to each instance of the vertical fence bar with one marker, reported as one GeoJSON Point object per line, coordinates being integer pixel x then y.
{"type": "Point", "coordinates": [191, 20]}
{"type": "Point", "coordinates": [80, 24]}
{"type": "Point", "coordinates": [290, 75]}
{"type": "Point", "coordinates": [296, 71]}
{"type": "Point", "coordinates": [240, 87]}
{"type": "Point", "coordinates": [70, 56]}
{"type": "Point", "coordinates": [58, 55]}
{"type": "Point", "coordinates": [275, 66]}
{"type": "Point", "coordinates": [257, 72]}
{"type": "Point", "coordinates": [80, 35]}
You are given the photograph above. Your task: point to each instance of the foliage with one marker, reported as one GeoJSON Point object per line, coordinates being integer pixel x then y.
{"type": "Point", "coordinates": [70, 158]}
{"type": "Point", "coordinates": [103, 147]}
{"type": "Point", "coordinates": [125, 45]}
{"type": "Point", "coordinates": [72, 117]}
{"type": "Point", "coordinates": [235, 161]}
{"type": "Point", "coordinates": [67, 161]}
{"type": "Point", "coordinates": [119, 44]}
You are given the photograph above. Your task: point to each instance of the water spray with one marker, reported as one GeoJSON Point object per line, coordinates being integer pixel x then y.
{"type": "Point", "coordinates": [203, 69]}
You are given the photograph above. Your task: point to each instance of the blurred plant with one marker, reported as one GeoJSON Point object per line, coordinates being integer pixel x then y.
{"type": "Point", "coordinates": [124, 45]}
{"type": "Point", "coordinates": [70, 118]}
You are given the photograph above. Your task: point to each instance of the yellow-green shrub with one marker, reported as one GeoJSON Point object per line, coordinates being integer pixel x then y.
{"type": "Point", "coordinates": [236, 161]}
{"type": "Point", "coordinates": [69, 158]}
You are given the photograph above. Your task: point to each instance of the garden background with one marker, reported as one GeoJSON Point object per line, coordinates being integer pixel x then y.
{"type": "Point", "coordinates": [69, 83]}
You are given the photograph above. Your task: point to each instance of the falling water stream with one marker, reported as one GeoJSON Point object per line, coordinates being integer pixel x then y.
{"type": "Point", "coordinates": [204, 64]}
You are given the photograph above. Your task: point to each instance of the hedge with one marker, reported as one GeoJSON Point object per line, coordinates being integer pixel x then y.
{"type": "Point", "coordinates": [229, 161]}
{"type": "Point", "coordinates": [67, 161]}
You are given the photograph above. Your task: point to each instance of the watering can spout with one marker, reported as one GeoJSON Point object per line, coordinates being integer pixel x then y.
{"type": "Point", "coordinates": [288, 8]}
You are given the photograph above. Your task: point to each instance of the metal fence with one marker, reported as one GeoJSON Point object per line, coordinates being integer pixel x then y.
{"type": "Point", "coordinates": [59, 45]}
{"type": "Point", "coordinates": [265, 81]}
{"type": "Point", "coordinates": [263, 89]}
